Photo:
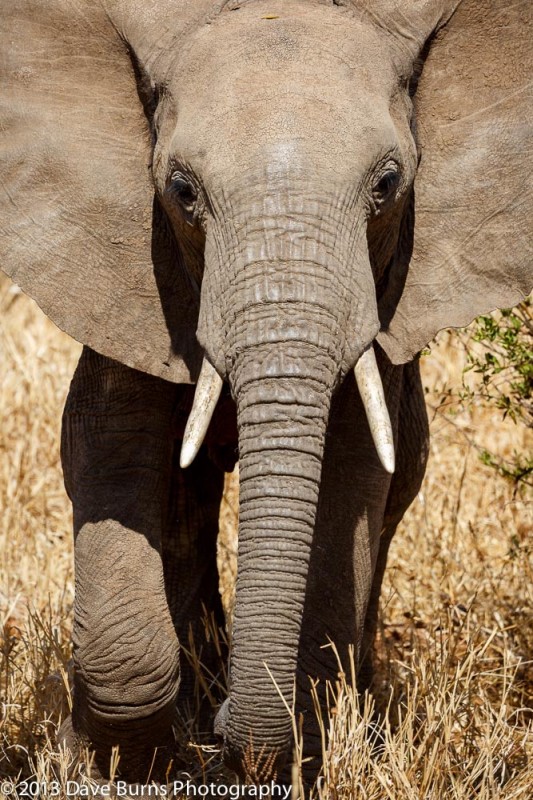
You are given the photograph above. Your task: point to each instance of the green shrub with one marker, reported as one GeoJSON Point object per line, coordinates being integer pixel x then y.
{"type": "Point", "coordinates": [505, 364]}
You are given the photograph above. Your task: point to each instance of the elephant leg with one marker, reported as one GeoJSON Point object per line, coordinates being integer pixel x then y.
{"type": "Point", "coordinates": [351, 509]}
{"type": "Point", "coordinates": [191, 575]}
{"type": "Point", "coordinates": [116, 453]}
{"type": "Point", "coordinates": [411, 458]}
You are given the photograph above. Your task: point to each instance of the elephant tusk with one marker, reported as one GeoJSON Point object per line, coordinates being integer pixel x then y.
{"type": "Point", "coordinates": [206, 397]}
{"type": "Point", "coordinates": [371, 391]}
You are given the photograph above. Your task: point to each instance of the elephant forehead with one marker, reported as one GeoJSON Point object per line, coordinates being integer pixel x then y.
{"type": "Point", "coordinates": [295, 87]}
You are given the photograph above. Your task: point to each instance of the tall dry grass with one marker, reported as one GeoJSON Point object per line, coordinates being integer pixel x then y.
{"type": "Point", "coordinates": [452, 710]}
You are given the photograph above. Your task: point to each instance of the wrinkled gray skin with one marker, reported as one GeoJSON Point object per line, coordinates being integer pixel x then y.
{"type": "Point", "coordinates": [273, 146]}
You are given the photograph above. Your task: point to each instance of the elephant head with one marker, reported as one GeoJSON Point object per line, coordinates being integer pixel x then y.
{"type": "Point", "coordinates": [256, 192]}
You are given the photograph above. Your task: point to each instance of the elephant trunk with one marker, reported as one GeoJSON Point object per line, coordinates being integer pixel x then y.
{"type": "Point", "coordinates": [282, 420]}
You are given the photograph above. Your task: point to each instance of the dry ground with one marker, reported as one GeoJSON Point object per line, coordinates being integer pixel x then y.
{"type": "Point", "coordinates": [456, 634]}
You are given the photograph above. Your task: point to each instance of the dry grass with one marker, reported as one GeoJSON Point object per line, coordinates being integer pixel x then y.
{"type": "Point", "coordinates": [456, 635]}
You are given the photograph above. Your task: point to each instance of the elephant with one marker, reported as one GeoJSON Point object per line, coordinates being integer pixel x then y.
{"type": "Point", "coordinates": [254, 215]}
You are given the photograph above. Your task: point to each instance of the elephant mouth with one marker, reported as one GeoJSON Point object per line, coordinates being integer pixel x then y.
{"type": "Point", "coordinates": [209, 388]}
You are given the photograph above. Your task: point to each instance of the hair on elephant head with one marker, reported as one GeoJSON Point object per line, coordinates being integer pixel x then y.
{"type": "Point", "coordinates": [287, 198]}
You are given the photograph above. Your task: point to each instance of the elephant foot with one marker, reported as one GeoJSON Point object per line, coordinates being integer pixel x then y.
{"type": "Point", "coordinates": [82, 764]}
{"type": "Point", "coordinates": [135, 770]}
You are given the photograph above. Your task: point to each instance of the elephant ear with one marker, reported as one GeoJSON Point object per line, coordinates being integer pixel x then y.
{"type": "Point", "coordinates": [80, 230]}
{"type": "Point", "coordinates": [471, 233]}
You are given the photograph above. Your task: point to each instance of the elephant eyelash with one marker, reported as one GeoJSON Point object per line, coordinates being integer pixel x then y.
{"type": "Point", "coordinates": [386, 186]}
{"type": "Point", "coordinates": [183, 190]}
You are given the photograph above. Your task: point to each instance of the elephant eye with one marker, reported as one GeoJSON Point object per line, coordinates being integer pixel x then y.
{"type": "Point", "coordinates": [183, 190]}
{"type": "Point", "coordinates": [385, 186]}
